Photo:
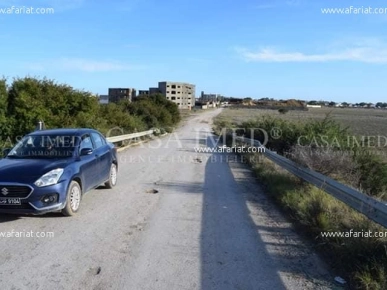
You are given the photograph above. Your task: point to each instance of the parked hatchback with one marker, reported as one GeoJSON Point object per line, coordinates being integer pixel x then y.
{"type": "Point", "coordinates": [51, 170]}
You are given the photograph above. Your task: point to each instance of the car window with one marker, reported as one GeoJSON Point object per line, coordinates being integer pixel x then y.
{"type": "Point", "coordinates": [86, 142]}
{"type": "Point", "coordinates": [44, 146]}
{"type": "Point", "coordinates": [103, 140]}
{"type": "Point", "coordinates": [97, 140]}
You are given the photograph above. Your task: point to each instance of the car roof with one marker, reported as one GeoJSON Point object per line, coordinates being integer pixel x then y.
{"type": "Point", "coordinates": [64, 131]}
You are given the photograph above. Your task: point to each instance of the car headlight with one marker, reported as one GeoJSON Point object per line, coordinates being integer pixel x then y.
{"type": "Point", "coordinates": [49, 178]}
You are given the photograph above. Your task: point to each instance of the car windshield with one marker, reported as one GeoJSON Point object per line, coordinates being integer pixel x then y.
{"type": "Point", "coordinates": [44, 146]}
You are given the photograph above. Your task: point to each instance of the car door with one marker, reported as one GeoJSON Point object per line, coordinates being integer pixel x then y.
{"type": "Point", "coordinates": [103, 156]}
{"type": "Point", "coordinates": [89, 164]}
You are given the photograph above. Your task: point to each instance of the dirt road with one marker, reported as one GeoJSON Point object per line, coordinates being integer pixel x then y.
{"type": "Point", "coordinates": [176, 220]}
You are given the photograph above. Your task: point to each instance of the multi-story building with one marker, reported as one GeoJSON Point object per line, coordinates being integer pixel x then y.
{"type": "Point", "coordinates": [153, 91]}
{"type": "Point", "coordinates": [143, 92]}
{"type": "Point", "coordinates": [183, 94]}
{"type": "Point", "coordinates": [209, 97]}
{"type": "Point", "coordinates": [118, 94]}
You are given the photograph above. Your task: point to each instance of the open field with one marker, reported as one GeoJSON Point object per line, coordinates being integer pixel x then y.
{"type": "Point", "coordinates": [362, 122]}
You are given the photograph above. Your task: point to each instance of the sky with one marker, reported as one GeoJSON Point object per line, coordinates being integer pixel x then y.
{"type": "Point", "coordinates": [278, 49]}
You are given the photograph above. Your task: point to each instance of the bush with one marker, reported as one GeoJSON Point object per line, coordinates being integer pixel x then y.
{"type": "Point", "coordinates": [322, 145]}
{"type": "Point", "coordinates": [28, 100]}
{"type": "Point", "coordinates": [262, 128]}
{"type": "Point", "coordinates": [155, 111]}
{"type": "Point", "coordinates": [283, 111]}
{"type": "Point", "coordinates": [337, 164]}
{"type": "Point", "coordinates": [373, 173]}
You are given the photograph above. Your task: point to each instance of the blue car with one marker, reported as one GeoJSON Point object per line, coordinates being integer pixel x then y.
{"type": "Point", "coordinates": [50, 170]}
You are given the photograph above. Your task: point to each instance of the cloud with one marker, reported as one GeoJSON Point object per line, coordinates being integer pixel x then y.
{"type": "Point", "coordinates": [79, 64]}
{"type": "Point", "coordinates": [376, 53]}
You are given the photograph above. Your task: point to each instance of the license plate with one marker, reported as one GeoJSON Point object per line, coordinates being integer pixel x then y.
{"type": "Point", "coordinates": [10, 201]}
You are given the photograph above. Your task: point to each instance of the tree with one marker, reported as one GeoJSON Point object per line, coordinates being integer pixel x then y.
{"type": "Point", "coordinates": [381, 105]}
{"type": "Point", "coordinates": [3, 107]}
{"type": "Point", "coordinates": [155, 110]}
{"type": "Point", "coordinates": [58, 105]}
{"type": "Point", "coordinates": [28, 100]}
{"type": "Point", "coordinates": [116, 115]}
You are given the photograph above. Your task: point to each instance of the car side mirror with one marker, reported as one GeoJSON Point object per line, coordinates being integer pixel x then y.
{"type": "Point", "coordinates": [6, 151]}
{"type": "Point", "coordinates": [86, 151]}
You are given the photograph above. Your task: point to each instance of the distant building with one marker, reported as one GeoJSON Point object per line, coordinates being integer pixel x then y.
{"type": "Point", "coordinates": [313, 106]}
{"type": "Point", "coordinates": [182, 94]}
{"type": "Point", "coordinates": [209, 97]}
{"type": "Point", "coordinates": [118, 94]}
{"type": "Point", "coordinates": [143, 92]}
{"type": "Point", "coordinates": [104, 99]}
{"type": "Point", "coordinates": [153, 91]}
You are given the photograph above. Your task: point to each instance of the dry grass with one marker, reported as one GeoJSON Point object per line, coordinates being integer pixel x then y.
{"type": "Point", "coordinates": [360, 122]}
{"type": "Point", "coordinates": [363, 122]}
{"type": "Point", "coordinates": [327, 161]}
{"type": "Point", "coordinates": [362, 261]}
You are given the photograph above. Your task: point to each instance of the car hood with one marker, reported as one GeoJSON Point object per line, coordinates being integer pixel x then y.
{"type": "Point", "coordinates": [28, 170]}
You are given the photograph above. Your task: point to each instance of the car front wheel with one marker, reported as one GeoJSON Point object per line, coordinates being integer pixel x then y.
{"type": "Point", "coordinates": [112, 176]}
{"type": "Point", "coordinates": [73, 200]}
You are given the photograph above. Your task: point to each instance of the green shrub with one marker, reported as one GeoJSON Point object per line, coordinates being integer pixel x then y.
{"type": "Point", "coordinates": [373, 173]}
{"type": "Point", "coordinates": [155, 111]}
{"type": "Point", "coordinates": [262, 129]}
{"type": "Point", "coordinates": [28, 100]}
{"type": "Point", "coordinates": [283, 111]}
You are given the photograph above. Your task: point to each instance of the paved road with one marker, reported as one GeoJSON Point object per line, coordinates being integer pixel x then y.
{"type": "Point", "coordinates": [208, 226]}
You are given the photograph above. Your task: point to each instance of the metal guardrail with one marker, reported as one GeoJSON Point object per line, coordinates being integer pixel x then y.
{"type": "Point", "coordinates": [370, 207]}
{"type": "Point", "coordinates": [129, 136]}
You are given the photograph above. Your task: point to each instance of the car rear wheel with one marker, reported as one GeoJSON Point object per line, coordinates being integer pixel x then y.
{"type": "Point", "coordinates": [73, 200]}
{"type": "Point", "coordinates": [112, 177]}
